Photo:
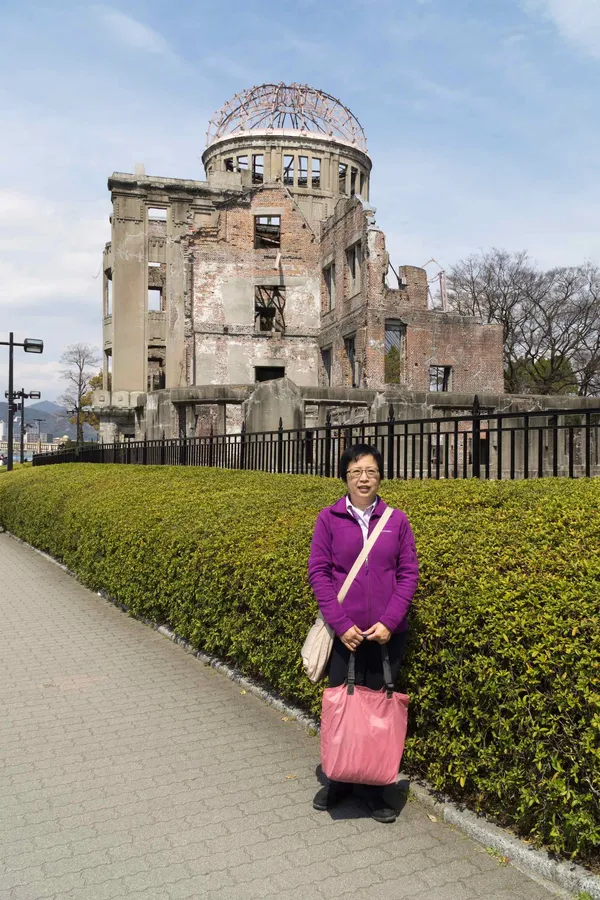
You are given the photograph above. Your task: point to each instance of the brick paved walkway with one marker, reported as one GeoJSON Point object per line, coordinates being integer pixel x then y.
{"type": "Point", "coordinates": [130, 770]}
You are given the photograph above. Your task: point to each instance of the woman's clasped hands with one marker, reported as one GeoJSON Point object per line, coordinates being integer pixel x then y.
{"type": "Point", "coordinates": [354, 636]}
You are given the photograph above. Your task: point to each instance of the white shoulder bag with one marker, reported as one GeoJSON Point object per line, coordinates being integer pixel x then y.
{"type": "Point", "coordinates": [316, 649]}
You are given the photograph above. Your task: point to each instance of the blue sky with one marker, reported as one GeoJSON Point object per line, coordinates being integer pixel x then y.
{"type": "Point", "coordinates": [481, 117]}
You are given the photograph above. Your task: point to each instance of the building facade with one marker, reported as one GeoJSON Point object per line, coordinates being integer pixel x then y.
{"type": "Point", "coordinates": [273, 267]}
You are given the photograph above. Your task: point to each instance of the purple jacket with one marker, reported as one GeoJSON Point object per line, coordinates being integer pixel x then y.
{"type": "Point", "coordinates": [383, 589]}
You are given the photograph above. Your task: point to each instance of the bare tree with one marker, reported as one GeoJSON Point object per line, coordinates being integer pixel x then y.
{"type": "Point", "coordinates": [550, 320]}
{"type": "Point", "coordinates": [79, 360]}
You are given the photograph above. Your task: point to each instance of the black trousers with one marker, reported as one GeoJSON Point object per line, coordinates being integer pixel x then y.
{"type": "Point", "coordinates": [369, 665]}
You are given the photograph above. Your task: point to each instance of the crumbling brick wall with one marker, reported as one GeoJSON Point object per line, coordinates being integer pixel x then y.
{"type": "Point", "coordinates": [474, 351]}
{"type": "Point", "coordinates": [346, 229]}
{"type": "Point", "coordinates": [222, 337]}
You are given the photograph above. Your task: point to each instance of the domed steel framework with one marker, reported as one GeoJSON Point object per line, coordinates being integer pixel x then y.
{"type": "Point", "coordinates": [283, 107]}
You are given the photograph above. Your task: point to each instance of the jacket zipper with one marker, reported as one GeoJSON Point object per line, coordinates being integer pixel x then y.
{"type": "Point", "coordinates": [368, 580]}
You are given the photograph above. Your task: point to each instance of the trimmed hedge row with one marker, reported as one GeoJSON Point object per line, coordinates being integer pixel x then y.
{"type": "Point", "coordinates": [503, 668]}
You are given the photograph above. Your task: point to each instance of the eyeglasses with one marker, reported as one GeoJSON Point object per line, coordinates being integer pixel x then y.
{"type": "Point", "coordinates": [355, 474]}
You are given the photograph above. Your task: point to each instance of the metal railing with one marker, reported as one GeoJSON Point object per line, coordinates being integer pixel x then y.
{"type": "Point", "coordinates": [533, 444]}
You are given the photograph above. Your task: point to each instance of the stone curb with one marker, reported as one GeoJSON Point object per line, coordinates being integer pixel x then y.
{"type": "Point", "coordinates": [556, 875]}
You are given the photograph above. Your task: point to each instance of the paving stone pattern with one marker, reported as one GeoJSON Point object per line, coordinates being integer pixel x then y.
{"type": "Point", "coordinates": [128, 769]}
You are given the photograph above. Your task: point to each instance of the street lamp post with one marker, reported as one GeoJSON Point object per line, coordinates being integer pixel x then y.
{"type": "Point", "coordinates": [30, 345]}
{"type": "Point", "coordinates": [23, 396]}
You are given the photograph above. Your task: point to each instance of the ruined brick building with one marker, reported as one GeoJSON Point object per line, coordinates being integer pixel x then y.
{"type": "Point", "coordinates": [273, 268]}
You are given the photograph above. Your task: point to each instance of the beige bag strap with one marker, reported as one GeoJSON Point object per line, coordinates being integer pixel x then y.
{"type": "Point", "coordinates": [364, 553]}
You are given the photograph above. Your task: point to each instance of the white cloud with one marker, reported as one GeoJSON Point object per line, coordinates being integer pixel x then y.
{"type": "Point", "coordinates": [50, 253]}
{"type": "Point", "coordinates": [133, 33]}
{"type": "Point", "coordinates": [50, 282]}
{"type": "Point", "coordinates": [577, 21]}
{"type": "Point", "coordinates": [38, 376]}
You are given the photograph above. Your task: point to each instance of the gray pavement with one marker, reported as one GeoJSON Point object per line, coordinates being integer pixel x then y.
{"type": "Point", "coordinates": [128, 769]}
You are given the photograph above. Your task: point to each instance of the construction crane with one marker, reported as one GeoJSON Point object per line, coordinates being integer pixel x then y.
{"type": "Point", "coordinates": [441, 277]}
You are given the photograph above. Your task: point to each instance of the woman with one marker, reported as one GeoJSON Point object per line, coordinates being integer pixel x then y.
{"type": "Point", "coordinates": [374, 611]}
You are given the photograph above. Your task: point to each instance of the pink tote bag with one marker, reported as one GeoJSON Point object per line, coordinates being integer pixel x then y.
{"type": "Point", "coordinates": [363, 731]}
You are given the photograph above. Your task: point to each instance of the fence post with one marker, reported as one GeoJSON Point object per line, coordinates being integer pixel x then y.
{"type": "Point", "coordinates": [328, 445]}
{"type": "Point", "coordinates": [145, 450]}
{"type": "Point", "coordinates": [210, 446]}
{"type": "Point", "coordinates": [280, 446]}
{"type": "Point", "coordinates": [182, 450]}
{"type": "Point", "coordinates": [102, 451]}
{"type": "Point", "coordinates": [162, 448]}
{"type": "Point", "coordinates": [243, 446]}
{"type": "Point", "coordinates": [390, 442]}
{"type": "Point", "coordinates": [588, 445]}
{"type": "Point", "coordinates": [476, 412]}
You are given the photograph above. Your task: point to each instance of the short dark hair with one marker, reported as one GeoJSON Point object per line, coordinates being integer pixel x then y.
{"type": "Point", "coordinates": [356, 452]}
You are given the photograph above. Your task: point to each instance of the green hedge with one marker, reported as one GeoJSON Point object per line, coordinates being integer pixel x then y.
{"type": "Point", "coordinates": [503, 667]}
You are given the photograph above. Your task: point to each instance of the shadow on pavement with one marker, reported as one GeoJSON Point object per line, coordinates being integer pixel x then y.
{"type": "Point", "coordinates": [354, 808]}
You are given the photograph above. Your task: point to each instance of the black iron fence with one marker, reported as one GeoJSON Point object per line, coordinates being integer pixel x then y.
{"type": "Point", "coordinates": [534, 444]}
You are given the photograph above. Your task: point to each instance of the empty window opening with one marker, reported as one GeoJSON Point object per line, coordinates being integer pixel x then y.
{"type": "Point", "coordinates": [302, 171]}
{"type": "Point", "coordinates": [155, 299]}
{"type": "Point", "coordinates": [269, 309]}
{"type": "Point", "coordinates": [316, 172]}
{"type": "Point", "coordinates": [268, 373]}
{"type": "Point", "coordinates": [267, 232]}
{"type": "Point", "coordinates": [440, 378]}
{"type": "Point", "coordinates": [107, 374]}
{"type": "Point", "coordinates": [229, 164]}
{"type": "Point", "coordinates": [242, 163]}
{"type": "Point", "coordinates": [342, 169]}
{"type": "Point", "coordinates": [258, 168]}
{"type": "Point", "coordinates": [156, 214]}
{"type": "Point", "coordinates": [156, 373]}
{"type": "Point", "coordinates": [353, 175]}
{"type": "Point", "coordinates": [108, 297]}
{"type": "Point", "coordinates": [395, 333]}
{"type": "Point", "coordinates": [484, 449]}
{"type": "Point", "coordinates": [354, 259]}
{"type": "Point", "coordinates": [362, 184]}
{"type": "Point", "coordinates": [350, 348]}
{"type": "Point", "coordinates": [288, 169]}
{"type": "Point", "coordinates": [326, 359]}
{"type": "Point", "coordinates": [329, 277]}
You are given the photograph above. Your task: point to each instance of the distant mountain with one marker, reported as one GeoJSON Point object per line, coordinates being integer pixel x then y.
{"type": "Point", "coordinates": [47, 406]}
{"type": "Point", "coordinates": [55, 419]}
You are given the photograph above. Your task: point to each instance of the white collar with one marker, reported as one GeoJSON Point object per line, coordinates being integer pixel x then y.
{"type": "Point", "coordinates": [361, 512]}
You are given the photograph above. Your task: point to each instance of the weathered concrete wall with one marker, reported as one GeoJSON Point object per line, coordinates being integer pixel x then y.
{"type": "Point", "coordinates": [272, 401]}
{"type": "Point", "coordinates": [129, 287]}
{"type": "Point", "coordinates": [223, 342]}
{"type": "Point", "coordinates": [144, 252]}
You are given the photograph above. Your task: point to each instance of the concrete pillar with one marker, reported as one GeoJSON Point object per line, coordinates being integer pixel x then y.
{"type": "Point", "coordinates": [276, 162]}
{"type": "Point", "coordinates": [267, 164]}
{"type": "Point", "coordinates": [326, 172]}
{"type": "Point", "coordinates": [130, 280]}
{"type": "Point", "coordinates": [176, 375]}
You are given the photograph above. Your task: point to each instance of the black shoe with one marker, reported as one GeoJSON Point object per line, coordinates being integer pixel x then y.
{"type": "Point", "coordinates": [380, 810]}
{"type": "Point", "coordinates": [330, 795]}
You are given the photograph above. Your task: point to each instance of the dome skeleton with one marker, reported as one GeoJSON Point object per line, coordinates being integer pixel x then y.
{"type": "Point", "coordinates": [299, 107]}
